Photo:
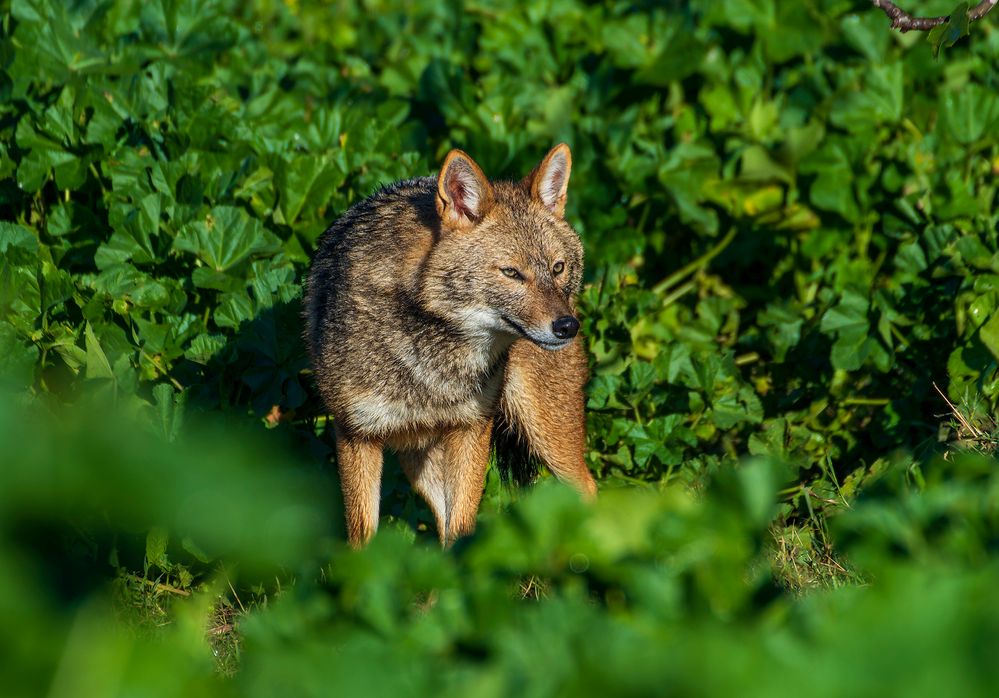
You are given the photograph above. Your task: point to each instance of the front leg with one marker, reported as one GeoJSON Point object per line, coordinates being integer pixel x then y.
{"type": "Point", "coordinates": [543, 400]}
{"type": "Point", "coordinates": [466, 457]}
{"type": "Point", "coordinates": [359, 461]}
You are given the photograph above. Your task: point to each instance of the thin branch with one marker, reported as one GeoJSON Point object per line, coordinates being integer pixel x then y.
{"type": "Point", "coordinates": [968, 426]}
{"type": "Point", "coordinates": [160, 586]}
{"type": "Point", "coordinates": [702, 261]}
{"type": "Point", "coordinates": [903, 21]}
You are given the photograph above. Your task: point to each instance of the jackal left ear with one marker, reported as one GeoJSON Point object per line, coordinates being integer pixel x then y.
{"type": "Point", "coordinates": [464, 195]}
{"type": "Point", "coordinates": [550, 180]}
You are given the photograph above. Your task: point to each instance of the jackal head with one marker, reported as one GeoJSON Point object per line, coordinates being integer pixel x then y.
{"type": "Point", "coordinates": [507, 264]}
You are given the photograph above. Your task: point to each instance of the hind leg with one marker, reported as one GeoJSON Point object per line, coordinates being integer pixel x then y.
{"type": "Point", "coordinates": [360, 464]}
{"type": "Point", "coordinates": [543, 400]}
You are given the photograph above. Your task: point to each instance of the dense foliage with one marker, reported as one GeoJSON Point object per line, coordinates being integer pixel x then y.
{"type": "Point", "coordinates": [792, 234]}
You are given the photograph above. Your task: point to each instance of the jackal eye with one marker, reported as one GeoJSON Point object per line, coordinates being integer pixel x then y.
{"type": "Point", "coordinates": [512, 273]}
{"type": "Point", "coordinates": [558, 268]}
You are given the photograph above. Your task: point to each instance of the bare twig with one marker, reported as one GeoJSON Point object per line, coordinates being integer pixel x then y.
{"type": "Point", "coordinates": [160, 586]}
{"type": "Point", "coordinates": [809, 492]}
{"type": "Point", "coordinates": [903, 21]}
{"type": "Point", "coordinates": [968, 426]}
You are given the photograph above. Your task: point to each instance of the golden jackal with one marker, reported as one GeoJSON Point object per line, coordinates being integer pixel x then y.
{"type": "Point", "coordinates": [436, 308]}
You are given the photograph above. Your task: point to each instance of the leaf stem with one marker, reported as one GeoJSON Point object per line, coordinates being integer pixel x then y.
{"type": "Point", "coordinates": [699, 263]}
{"type": "Point", "coordinates": [678, 293]}
{"type": "Point", "coordinates": [163, 372]}
{"type": "Point", "coordinates": [872, 401]}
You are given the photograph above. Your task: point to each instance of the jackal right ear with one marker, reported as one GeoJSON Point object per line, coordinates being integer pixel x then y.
{"type": "Point", "coordinates": [464, 195]}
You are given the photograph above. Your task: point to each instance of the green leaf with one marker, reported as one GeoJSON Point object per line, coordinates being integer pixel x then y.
{"type": "Point", "coordinates": [190, 546]}
{"type": "Point", "coordinates": [125, 282]}
{"type": "Point", "coordinates": [18, 244]}
{"type": "Point", "coordinates": [849, 322]}
{"type": "Point", "coordinates": [758, 480]}
{"type": "Point", "coordinates": [20, 293]}
{"type": "Point", "coordinates": [603, 392]}
{"type": "Point", "coordinates": [204, 347]}
{"type": "Point", "coordinates": [305, 182]}
{"type": "Point", "coordinates": [169, 409]}
{"type": "Point", "coordinates": [849, 315]}
{"type": "Point", "coordinates": [990, 334]}
{"type": "Point", "coordinates": [878, 99]}
{"type": "Point", "coordinates": [688, 174]}
{"type": "Point", "coordinates": [17, 359]}
{"type": "Point", "coordinates": [157, 540]}
{"type": "Point", "coordinates": [948, 33]}
{"type": "Point", "coordinates": [233, 310]}
{"type": "Point", "coordinates": [136, 227]}
{"type": "Point", "coordinates": [97, 362]}
{"type": "Point", "coordinates": [865, 32]}
{"type": "Point", "coordinates": [833, 188]}
{"type": "Point", "coordinates": [783, 325]}
{"type": "Point", "coordinates": [970, 113]}
{"type": "Point", "coordinates": [226, 237]}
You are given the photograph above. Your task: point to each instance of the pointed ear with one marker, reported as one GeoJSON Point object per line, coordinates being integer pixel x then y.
{"type": "Point", "coordinates": [550, 180]}
{"type": "Point", "coordinates": [464, 195]}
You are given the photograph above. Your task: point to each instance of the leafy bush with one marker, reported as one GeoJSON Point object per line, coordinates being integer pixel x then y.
{"type": "Point", "coordinates": [791, 227]}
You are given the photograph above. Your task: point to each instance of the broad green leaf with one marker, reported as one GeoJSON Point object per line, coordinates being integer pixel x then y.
{"type": "Point", "coordinates": [204, 347]}
{"type": "Point", "coordinates": [125, 282]}
{"type": "Point", "coordinates": [156, 548]}
{"type": "Point", "coordinates": [833, 188]}
{"type": "Point", "coordinates": [849, 322]}
{"type": "Point", "coordinates": [304, 181]}
{"type": "Point", "coordinates": [848, 315]}
{"type": "Point", "coordinates": [17, 359]}
{"type": "Point", "coordinates": [136, 227]}
{"type": "Point", "coordinates": [170, 410]}
{"type": "Point", "coordinates": [688, 175]}
{"type": "Point", "coordinates": [20, 293]}
{"type": "Point", "coordinates": [233, 310]}
{"type": "Point", "coordinates": [226, 237]}
{"type": "Point", "coordinates": [759, 482]}
{"type": "Point", "coordinates": [97, 361]}
{"type": "Point", "coordinates": [948, 33]}
{"type": "Point", "coordinates": [17, 243]}
{"type": "Point", "coordinates": [783, 328]}
{"type": "Point", "coordinates": [879, 98]}
{"type": "Point", "coordinates": [970, 113]}
{"type": "Point", "coordinates": [990, 334]}
{"type": "Point", "coordinates": [866, 33]}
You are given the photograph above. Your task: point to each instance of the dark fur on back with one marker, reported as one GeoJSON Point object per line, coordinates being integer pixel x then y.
{"type": "Point", "coordinates": [331, 260]}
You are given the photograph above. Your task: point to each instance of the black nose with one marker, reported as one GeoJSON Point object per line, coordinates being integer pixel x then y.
{"type": "Point", "coordinates": [565, 327]}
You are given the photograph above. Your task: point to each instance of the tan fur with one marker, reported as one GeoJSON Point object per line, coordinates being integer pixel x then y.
{"type": "Point", "coordinates": [543, 394]}
{"type": "Point", "coordinates": [436, 306]}
{"type": "Point", "coordinates": [360, 463]}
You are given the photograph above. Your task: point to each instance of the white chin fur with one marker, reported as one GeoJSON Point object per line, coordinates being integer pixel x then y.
{"type": "Point", "coordinates": [480, 321]}
{"type": "Point", "coordinates": [546, 340]}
